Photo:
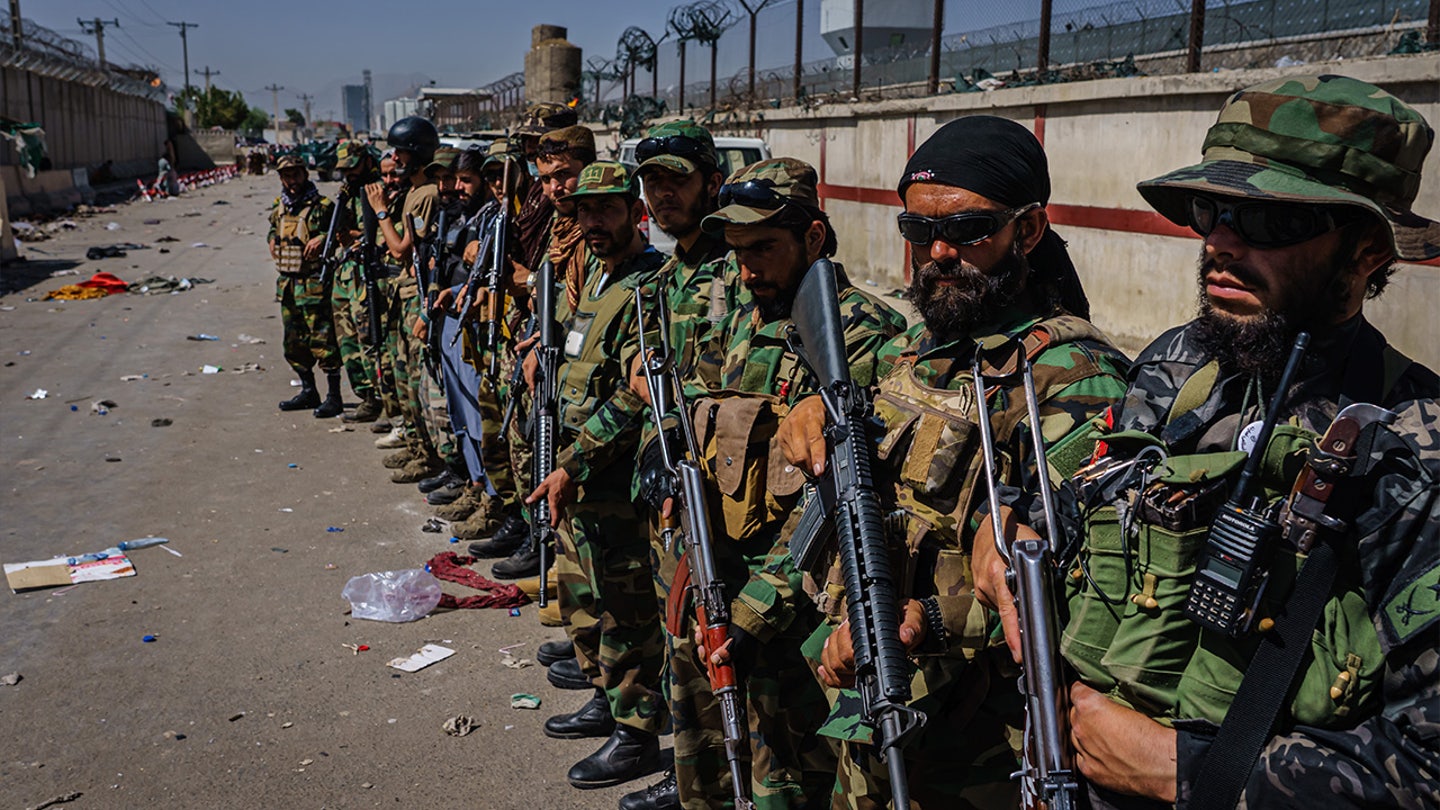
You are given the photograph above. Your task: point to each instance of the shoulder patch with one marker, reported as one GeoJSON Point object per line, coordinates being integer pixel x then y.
{"type": "Point", "coordinates": [1414, 608]}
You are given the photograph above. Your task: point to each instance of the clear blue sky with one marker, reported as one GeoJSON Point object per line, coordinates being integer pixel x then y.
{"type": "Point", "coordinates": [313, 47]}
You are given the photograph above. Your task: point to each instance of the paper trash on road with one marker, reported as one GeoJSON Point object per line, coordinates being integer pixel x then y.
{"type": "Point", "coordinates": [29, 576]}
{"type": "Point", "coordinates": [427, 655]}
{"type": "Point", "coordinates": [40, 393]}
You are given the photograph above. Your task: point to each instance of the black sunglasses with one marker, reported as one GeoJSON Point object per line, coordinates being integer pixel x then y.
{"type": "Point", "coordinates": [678, 145]}
{"type": "Point", "coordinates": [753, 194]}
{"type": "Point", "coordinates": [1266, 224]}
{"type": "Point", "coordinates": [958, 229]}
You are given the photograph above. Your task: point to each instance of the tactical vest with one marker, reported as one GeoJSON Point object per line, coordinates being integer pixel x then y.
{"type": "Point", "coordinates": [588, 376]}
{"type": "Point", "coordinates": [755, 486]}
{"type": "Point", "coordinates": [292, 231]}
{"type": "Point", "coordinates": [1127, 634]}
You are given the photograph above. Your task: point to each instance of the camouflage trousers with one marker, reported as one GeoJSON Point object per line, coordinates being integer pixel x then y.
{"type": "Point", "coordinates": [404, 351]}
{"type": "Point", "coordinates": [309, 333]}
{"type": "Point", "coordinates": [495, 447]}
{"type": "Point", "coordinates": [789, 763]}
{"type": "Point", "coordinates": [350, 305]}
{"type": "Point", "coordinates": [520, 455]}
{"type": "Point", "coordinates": [962, 758]}
{"type": "Point", "coordinates": [608, 602]}
{"type": "Point", "coordinates": [385, 354]}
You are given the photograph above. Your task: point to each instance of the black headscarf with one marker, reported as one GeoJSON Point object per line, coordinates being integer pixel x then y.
{"type": "Point", "coordinates": [1000, 160]}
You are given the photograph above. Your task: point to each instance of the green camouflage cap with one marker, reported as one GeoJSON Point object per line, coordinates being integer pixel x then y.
{"type": "Point", "coordinates": [290, 161]}
{"type": "Point", "coordinates": [788, 179]}
{"type": "Point", "coordinates": [444, 159]}
{"type": "Point", "coordinates": [1315, 139]}
{"type": "Point", "coordinates": [349, 154]}
{"type": "Point", "coordinates": [543, 116]}
{"type": "Point", "coordinates": [604, 177]}
{"type": "Point", "coordinates": [677, 163]}
{"type": "Point", "coordinates": [499, 150]}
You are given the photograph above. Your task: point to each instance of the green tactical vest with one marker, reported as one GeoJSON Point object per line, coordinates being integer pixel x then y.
{"type": "Point", "coordinates": [1127, 634]}
{"type": "Point", "coordinates": [588, 376]}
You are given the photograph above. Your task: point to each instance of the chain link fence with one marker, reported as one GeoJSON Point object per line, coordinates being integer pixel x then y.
{"type": "Point", "coordinates": [46, 53]}
{"type": "Point", "coordinates": [1121, 38]}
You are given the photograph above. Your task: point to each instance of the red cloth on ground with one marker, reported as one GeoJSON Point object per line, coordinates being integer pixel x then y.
{"type": "Point", "coordinates": [105, 281]}
{"type": "Point", "coordinates": [450, 567]}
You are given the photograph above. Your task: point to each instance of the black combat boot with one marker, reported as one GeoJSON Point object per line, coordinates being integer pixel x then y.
{"type": "Point", "coordinates": [308, 396]}
{"type": "Point", "coordinates": [367, 411]}
{"type": "Point", "coordinates": [553, 652]}
{"type": "Point", "coordinates": [628, 754]}
{"type": "Point", "coordinates": [333, 406]}
{"type": "Point", "coordinates": [591, 720]}
{"type": "Point", "coordinates": [512, 536]}
{"type": "Point", "coordinates": [663, 795]}
{"type": "Point", "coordinates": [567, 674]}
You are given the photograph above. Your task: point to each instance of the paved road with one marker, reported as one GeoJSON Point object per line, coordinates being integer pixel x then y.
{"type": "Point", "coordinates": [250, 619]}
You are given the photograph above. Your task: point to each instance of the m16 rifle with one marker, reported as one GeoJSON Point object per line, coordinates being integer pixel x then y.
{"type": "Point", "coordinates": [517, 376]}
{"type": "Point", "coordinates": [882, 664]}
{"type": "Point", "coordinates": [424, 251]}
{"type": "Point", "coordinates": [1047, 778]}
{"type": "Point", "coordinates": [328, 259]}
{"type": "Point", "coordinates": [684, 477]}
{"type": "Point", "coordinates": [370, 275]}
{"type": "Point", "coordinates": [543, 424]}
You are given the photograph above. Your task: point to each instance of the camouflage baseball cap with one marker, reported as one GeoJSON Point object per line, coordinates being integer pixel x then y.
{"type": "Point", "coordinates": [759, 191]}
{"type": "Point", "coordinates": [1314, 139]}
{"type": "Point", "coordinates": [604, 177]}
{"type": "Point", "coordinates": [676, 146]}
{"type": "Point", "coordinates": [498, 151]}
{"type": "Point", "coordinates": [290, 161]}
{"type": "Point", "coordinates": [543, 116]}
{"type": "Point", "coordinates": [569, 140]}
{"type": "Point", "coordinates": [444, 159]}
{"type": "Point", "coordinates": [349, 154]}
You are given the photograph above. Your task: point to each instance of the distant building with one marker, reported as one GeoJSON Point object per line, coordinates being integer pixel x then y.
{"type": "Point", "coordinates": [393, 110]}
{"type": "Point", "coordinates": [356, 107]}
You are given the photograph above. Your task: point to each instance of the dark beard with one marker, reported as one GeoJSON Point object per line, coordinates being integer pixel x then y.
{"type": "Point", "coordinates": [774, 309]}
{"type": "Point", "coordinates": [1260, 344]}
{"type": "Point", "coordinates": [955, 311]}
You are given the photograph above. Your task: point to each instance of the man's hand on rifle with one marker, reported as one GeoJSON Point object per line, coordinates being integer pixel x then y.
{"type": "Point", "coordinates": [559, 489]}
{"type": "Point", "coordinates": [637, 379]}
{"type": "Point", "coordinates": [1120, 748]}
{"type": "Point", "coordinates": [314, 246]}
{"type": "Point", "coordinates": [443, 301]}
{"type": "Point", "coordinates": [837, 660]}
{"type": "Point", "coordinates": [530, 363]}
{"type": "Point", "coordinates": [802, 435]}
{"type": "Point", "coordinates": [739, 650]}
{"type": "Point", "coordinates": [988, 569]}
{"type": "Point", "coordinates": [472, 249]}
{"type": "Point", "coordinates": [375, 193]}
{"type": "Point", "coordinates": [420, 330]}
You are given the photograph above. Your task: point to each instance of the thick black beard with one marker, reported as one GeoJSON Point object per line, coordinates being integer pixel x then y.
{"type": "Point", "coordinates": [703, 206]}
{"type": "Point", "coordinates": [955, 311]}
{"type": "Point", "coordinates": [774, 309]}
{"type": "Point", "coordinates": [619, 243]}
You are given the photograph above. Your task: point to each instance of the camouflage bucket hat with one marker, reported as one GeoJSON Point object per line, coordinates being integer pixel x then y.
{"type": "Point", "coordinates": [676, 146]}
{"type": "Point", "coordinates": [291, 161]}
{"type": "Point", "coordinates": [759, 191]}
{"type": "Point", "coordinates": [1314, 139]}
{"type": "Point", "coordinates": [604, 177]}
{"type": "Point", "coordinates": [349, 154]}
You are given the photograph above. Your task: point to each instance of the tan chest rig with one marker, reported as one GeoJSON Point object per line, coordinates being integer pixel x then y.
{"type": "Point", "coordinates": [587, 375]}
{"type": "Point", "coordinates": [291, 233]}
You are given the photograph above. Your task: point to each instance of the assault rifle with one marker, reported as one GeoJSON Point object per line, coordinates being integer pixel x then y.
{"type": "Point", "coordinates": [485, 279]}
{"type": "Point", "coordinates": [370, 274]}
{"type": "Point", "coordinates": [327, 259]}
{"type": "Point", "coordinates": [882, 664]}
{"type": "Point", "coordinates": [543, 424]}
{"type": "Point", "coordinates": [684, 477]}
{"type": "Point", "coordinates": [424, 252]}
{"type": "Point", "coordinates": [1046, 775]}
{"type": "Point", "coordinates": [517, 375]}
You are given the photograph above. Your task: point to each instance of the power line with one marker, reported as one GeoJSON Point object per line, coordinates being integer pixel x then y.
{"type": "Point", "coordinates": [97, 27]}
{"type": "Point", "coordinates": [185, 47]}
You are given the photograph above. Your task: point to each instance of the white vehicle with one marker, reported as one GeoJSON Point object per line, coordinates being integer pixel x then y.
{"type": "Point", "coordinates": [734, 153]}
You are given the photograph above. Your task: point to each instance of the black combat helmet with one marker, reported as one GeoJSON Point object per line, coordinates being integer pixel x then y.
{"type": "Point", "coordinates": [415, 134]}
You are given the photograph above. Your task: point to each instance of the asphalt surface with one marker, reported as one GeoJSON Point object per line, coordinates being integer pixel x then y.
{"type": "Point", "coordinates": [247, 696]}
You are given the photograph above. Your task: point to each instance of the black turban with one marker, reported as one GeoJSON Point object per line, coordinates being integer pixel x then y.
{"type": "Point", "coordinates": [1000, 160]}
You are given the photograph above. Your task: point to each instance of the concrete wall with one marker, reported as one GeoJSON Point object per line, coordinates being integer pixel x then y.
{"type": "Point", "coordinates": [84, 125]}
{"type": "Point", "coordinates": [1101, 137]}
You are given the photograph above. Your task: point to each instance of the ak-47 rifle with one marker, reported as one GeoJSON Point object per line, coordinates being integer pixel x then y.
{"type": "Point", "coordinates": [684, 477]}
{"type": "Point", "coordinates": [543, 424]}
{"type": "Point", "coordinates": [517, 376]}
{"type": "Point", "coordinates": [1047, 777]}
{"type": "Point", "coordinates": [882, 663]}
{"type": "Point", "coordinates": [327, 259]}
{"type": "Point", "coordinates": [494, 279]}
{"type": "Point", "coordinates": [473, 278]}
{"type": "Point", "coordinates": [424, 251]}
{"type": "Point", "coordinates": [370, 274]}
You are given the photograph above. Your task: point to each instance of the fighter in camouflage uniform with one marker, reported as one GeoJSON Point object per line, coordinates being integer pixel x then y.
{"type": "Point", "coordinates": [988, 275]}
{"type": "Point", "coordinates": [606, 591]}
{"type": "Point", "coordinates": [347, 293]}
{"type": "Point", "coordinates": [297, 235]}
{"type": "Point", "coordinates": [397, 188]}
{"type": "Point", "coordinates": [1304, 201]}
{"type": "Point", "coordinates": [772, 220]}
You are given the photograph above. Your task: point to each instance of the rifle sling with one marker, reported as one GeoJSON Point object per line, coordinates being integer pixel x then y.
{"type": "Point", "coordinates": [1264, 689]}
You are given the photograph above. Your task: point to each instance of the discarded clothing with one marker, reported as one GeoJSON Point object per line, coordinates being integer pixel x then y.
{"type": "Point", "coordinates": [451, 567]}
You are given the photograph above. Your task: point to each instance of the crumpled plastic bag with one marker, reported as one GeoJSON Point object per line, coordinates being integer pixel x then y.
{"type": "Point", "coordinates": [393, 596]}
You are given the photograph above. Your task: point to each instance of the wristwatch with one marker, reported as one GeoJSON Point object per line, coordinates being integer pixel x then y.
{"type": "Point", "coordinates": [382, 214]}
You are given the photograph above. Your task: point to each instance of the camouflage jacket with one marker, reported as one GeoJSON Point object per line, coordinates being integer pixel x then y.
{"type": "Point", "coordinates": [1390, 757]}
{"type": "Point", "coordinates": [316, 214]}
{"type": "Point", "coordinates": [610, 431]}
{"type": "Point", "coordinates": [1086, 375]}
{"type": "Point", "coordinates": [749, 355]}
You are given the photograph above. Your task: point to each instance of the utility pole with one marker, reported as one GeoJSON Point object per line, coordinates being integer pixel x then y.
{"type": "Point", "coordinates": [97, 27]}
{"type": "Point", "coordinates": [17, 31]}
{"type": "Point", "coordinates": [207, 73]}
{"type": "Point", "coordinates": [860, 44]}
{"type": "Point", "coordinates": [275, 99]}
{"type": "Point", "coordinates": [1197, 36]}
{"type": "Point", "coordinates": [185, 48]}
{"type": "Point", "coordinates": [306, 98]}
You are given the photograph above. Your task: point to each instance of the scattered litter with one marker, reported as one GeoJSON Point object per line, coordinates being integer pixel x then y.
{"type": "Point", "coordinates": [199, 244]}
{"type": "Point", "coordinates": [7, 308]}
{"type": "Point", "coordinates": [244, 338]}
{"type": "Point", "coordinates": [117, 251]}
{"type": "Point", "coordinates": [133, 377]}
{"type": "Point", "coordinates": [11, 679]}
{"type": "Point", "coordinates": [244, 368]}
{"type": "Point", "coordinates": [522, 700]}
{"type": "Point", "coordinates": [514, 611]}
{"type": "Point", "coordinates": [449, 566]}
{"type": "Point", "coordinates": [286, 724]}
{"type": "Point", "coordinates": [112, 459]}
{"type": "Point", "coordinates": [162, 421]}
{"type": "Point", "coordinates": [166, 285]}
{"type": "Point", "coordinates": [61, 799]}
{"type": "Point", "coordinates": [294, 383]}
{"type": "Point", "coordinates": [74, 408]}
{"type": "Point", "coordinates": [331, 566]}
{"type": "Point", "coordinates": [167, 239]}
{"type": "Point", "coordinates": [286, 509]}
{"type": "Point", "coordinates": [201, 336]}
{"type": "Point", "coordinates": [112, 226]}
{"type": "Point", "coordinates": [40, 393]}
{"type": "Point", "coordinates": [172, 551]}
{"type": "Point", "coordinates": [460, 725]}
{"type": "Point", "coordinates": [59, 273]}
{"type": "Point", "coordinates": [341, 429]}
{"type": "Point", "coordinates": [236, 716]}
{"type": "Point", "coordinates": [59, 571]}
{"type": "Point", "coordinates": [306, 761]}
{"type": "Point", "coordinates": [210, 369]}
{"type": "Point", "coordinates": [516, 663]}
{"type": "Point", "coordinates": [333, 529]}
{"type": "Point", "coordinates": [241, 231]}
{"type": "Point", "coordinates": [221, 202]}
{"type": "Point", "coordinates": [280, 550]}
{"type": "Point", "coordinates": [426, 656]}
{"type": "Point", "coordinates": [392, 596]}
{"type": "Point", "coordinates": [151, 222]}
{"type": "Point", "coordinates": [148, 638]}
{"type": "Point", "coordinates": [434, 525]}
{"type": "Point", "coordinates": [101, 407]}
{"type": "Point", "coordinates": [293, 466]}
{"type": "Point", "coordinates": [173, 735]}
{"type": "Point", "coordinates": [356, 649]}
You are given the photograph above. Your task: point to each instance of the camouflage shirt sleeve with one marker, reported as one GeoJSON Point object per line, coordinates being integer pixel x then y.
{"type": "Point", "coordinates": [1393, 758]}
{"type": "Point", "coordinates": [275, 213]}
